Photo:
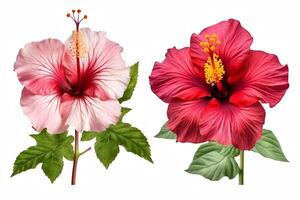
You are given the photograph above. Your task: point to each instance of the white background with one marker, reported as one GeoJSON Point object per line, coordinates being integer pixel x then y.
{"type": "Point", "coordinates": [146, 29]}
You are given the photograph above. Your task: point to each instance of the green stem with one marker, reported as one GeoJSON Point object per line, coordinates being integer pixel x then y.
{"type": "Point", "coordinates": [241, 173]}
{"type": "Point", "coordinates": [77, 154]}
{"type": "Point", "coordinates": [75, 158]}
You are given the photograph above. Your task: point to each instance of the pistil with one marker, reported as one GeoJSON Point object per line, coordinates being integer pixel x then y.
{"type": "Point", "coordinates": [77, 46]}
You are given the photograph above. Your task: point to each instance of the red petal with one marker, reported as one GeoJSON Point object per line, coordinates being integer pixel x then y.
{"type": "Point", "coordinates": [233, 125]}
{"type": "Point", "coordinates": [184, 120]}
{"type": "Point", "coordinates": [202, 120]}
{"type": "Point", "coordinates": [233, 50]}
{"type": "Point", "coordinates": [265, 80]}
{"type": "Point", "coordinates": [177, 78]}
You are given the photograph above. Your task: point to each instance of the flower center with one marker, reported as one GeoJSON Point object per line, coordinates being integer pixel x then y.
{"type": "Point", "coordinates": [213, 68]}
{"type": "Point", "coordinates": [78, 50]}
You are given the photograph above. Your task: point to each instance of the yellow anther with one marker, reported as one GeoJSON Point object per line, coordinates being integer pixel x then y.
{"type": "Point", "coordinates": [209, 46]}
{"type": "Point", "coordinates": [206, 50]}
{"type": "Point", "coordinates": [213, 70]}
{"type": "Point", "coordinates": [213, 67]}
{"type": "Point", "coordinates": [77, 46]}
{"type": "Point", "coordinates": [212, 40]}
{"type": "Point", "coordinates": [202, 44]}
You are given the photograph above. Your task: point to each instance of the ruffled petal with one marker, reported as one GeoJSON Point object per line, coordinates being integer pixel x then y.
{"type": "Point", "coordinates": [40, 66]}
{"type": "Point", "coordinates": [90, 113]}
{"type": "Point", "coordinates": [43, 111]}
{"type": "Point", "coordinates": [233, 50]}
{"type": "Point", "coordinates": [233, 125]}
{"type": "Point", "coordinates": [203, 120]}
{"type": "Point", "coordinates": [177, 78]}
{"type": "Point", "coordinates": [104, 73]}
{"type": "Point", "coordinates": [184, 120]}
{"type": "Point", "coordinates": [266, 80]}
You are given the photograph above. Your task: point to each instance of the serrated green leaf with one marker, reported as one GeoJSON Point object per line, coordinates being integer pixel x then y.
{"type": "Point", "coordinates": [131, 138]}
{"type": "Point", "coordinates": [68, 151]}
{"type": "Point", "coordinates": [214, 161]}
{"type": "Point", "coordinates": [48, 147]}
{"type": "Point", "coordinates": [88, 135]}
{"type": "Point", "coordinates": [52, 168]}
{"type": "Point", "coordinates": [132, 83]}
{"type": "Point", "coordinates": [29, 159]}
{"type": "Point", "coordinates": [165, 133]}
{"type": "Point", "coordinates": [106, 149]}
{"type": "Point", "coordinates": [269, 147]}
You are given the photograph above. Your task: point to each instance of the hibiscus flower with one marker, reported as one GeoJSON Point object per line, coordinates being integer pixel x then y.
{"type": "Point", "coordinates": [216, 86]}
{"type": "Point", "coordinates": [75, 84]}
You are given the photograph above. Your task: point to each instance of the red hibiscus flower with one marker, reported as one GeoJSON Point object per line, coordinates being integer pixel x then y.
{"type": "Point", "coordinates": [216, 86]}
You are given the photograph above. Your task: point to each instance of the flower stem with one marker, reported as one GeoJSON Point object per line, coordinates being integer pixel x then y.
{"type": "Point", "coordinates": [77, 154]}
{"type": "Point", "coordinates": [75, 158]}
{"type": "Point", "coordinates": [241, 172]}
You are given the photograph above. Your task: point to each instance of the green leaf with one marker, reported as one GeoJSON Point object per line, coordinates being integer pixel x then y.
{"type": "Point", "coordinates": [68, 151]}
{"type": "Point", "coordinates": [214, 161]}
{"type": "Point", "coordinates": [132, 139]}
{"type": "Point", "coordinates": [132, 83]}
{"type": "Point", "coordinates": [29, 159]}
{"type": "Point", "coordinates": [165, 133]}
{"type": "Point", "coordinates": [229, 151]}
{"type": "Point", "coordinates": [106, 149]}
{"type": "Point", "coordinates": [269, 147]}
{"type": "Point", "coordinates": [49, 150]}
{"type": "Point", "coordinates": [124, 111]}
{"type": "Point", "coordinates": [52, 168]}
{"type": "Point", "coordinates": [88, 135]}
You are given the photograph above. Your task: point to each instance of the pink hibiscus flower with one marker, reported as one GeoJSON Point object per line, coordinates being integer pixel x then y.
{"type": "Point", "coordinates": [74, 84]}
{"type": "Point", "coordinates": [216, 86]}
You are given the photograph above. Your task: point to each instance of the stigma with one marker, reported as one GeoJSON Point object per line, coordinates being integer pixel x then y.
{"type": "Point", "coordinates": [77, 45]}
{"type": "Point", "coordinates": [213, 67]}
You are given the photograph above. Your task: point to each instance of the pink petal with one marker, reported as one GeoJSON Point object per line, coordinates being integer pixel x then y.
{"type": "Point", "coordinates": [40, 66]}
{"type": "Point", "coordinates": [176, 77]}
{"type": "Point", "coordinates": [233, 50]}
{"type": "Point", "coordinates": [265, 80]}
{"type": "Point", "coordinates": [90, 113]}
{"type": "Point", "coordinates": [43, 111]}
{"type": "Point", "coordinates": [202, 120]}
{"type": "Point", "coordinates": [103, 71]}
